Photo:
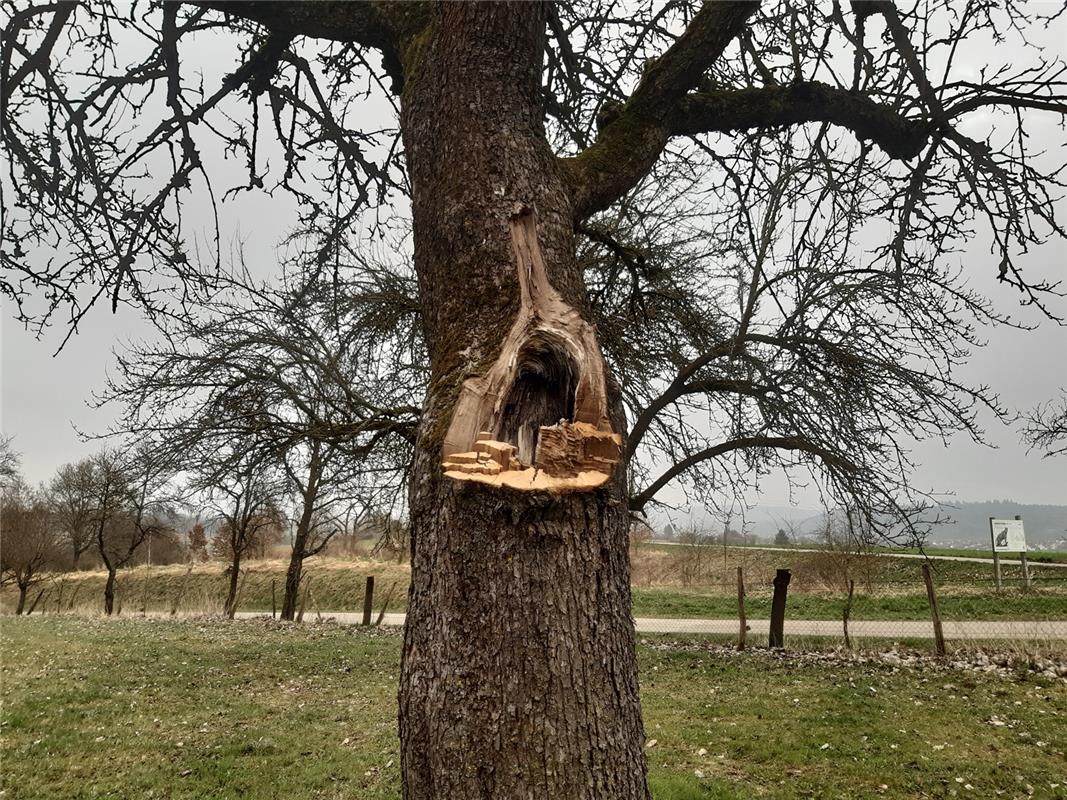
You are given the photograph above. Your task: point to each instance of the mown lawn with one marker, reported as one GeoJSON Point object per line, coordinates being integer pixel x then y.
{"type": "Point", "coordinates": [132, 709]}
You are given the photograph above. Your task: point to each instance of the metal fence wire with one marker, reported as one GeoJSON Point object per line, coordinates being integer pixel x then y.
{"type": "Point", "coordinates": [835, 599]}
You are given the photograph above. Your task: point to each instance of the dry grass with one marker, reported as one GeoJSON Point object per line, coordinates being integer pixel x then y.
{"type": "Point", "coordinates": [337, 584]}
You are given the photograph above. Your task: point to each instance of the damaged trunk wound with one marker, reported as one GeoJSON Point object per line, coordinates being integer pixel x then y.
{"type": "Point", "coordinates": [537, 419]}
{"type": "Point", "coordinates": [542, 394]}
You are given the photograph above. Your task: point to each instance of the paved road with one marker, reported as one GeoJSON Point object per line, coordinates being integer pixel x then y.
{"type": "Point", "coordinates": [976, 559]}
{"type": "Point", "coordinates": [860, 629]}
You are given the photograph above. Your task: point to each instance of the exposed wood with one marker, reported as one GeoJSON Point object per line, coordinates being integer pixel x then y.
{"type": "Point", "coordinates": [537, 420]}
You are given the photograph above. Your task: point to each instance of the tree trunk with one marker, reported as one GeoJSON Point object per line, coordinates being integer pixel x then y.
{"type": "Point", "coordinates": [22, 600]}
{"type": "Point", "coordinates": [231, 595]}
{"type": "Point", "coordinates": [303, 531]}
{"type": "Point", "coordinates": [109, 592]}
{"type": "Point", "coordinates": [292, 579]}
{"type": "Point", "coordinates": [519, 675]}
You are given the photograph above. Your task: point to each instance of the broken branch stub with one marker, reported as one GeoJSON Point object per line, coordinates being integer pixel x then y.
{"type": "Point", "coordinates": [538, 418]}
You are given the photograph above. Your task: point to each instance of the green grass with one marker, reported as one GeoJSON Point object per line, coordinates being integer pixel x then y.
{"type": "Point", "coordinates": [132, 709]}
{"type": "Point", "coordinates": [953, 604]}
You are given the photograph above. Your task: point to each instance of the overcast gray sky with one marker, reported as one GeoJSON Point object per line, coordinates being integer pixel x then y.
{"type": "Point", "coordinates": [44, 396]}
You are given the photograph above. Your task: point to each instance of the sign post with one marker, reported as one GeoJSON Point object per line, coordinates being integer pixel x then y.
{"type": "Point", "coordinates": [1008, 536]}
{"type": "Point", "coordinates": [1022, 557]}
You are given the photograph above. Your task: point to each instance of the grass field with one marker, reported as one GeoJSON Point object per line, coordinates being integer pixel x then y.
{"type": "Point", "coordinates": [665, 585]}
{"type": "Point", "coordinates": [132, 709]}
{"type": "Point", "coordinates": [955, 603]}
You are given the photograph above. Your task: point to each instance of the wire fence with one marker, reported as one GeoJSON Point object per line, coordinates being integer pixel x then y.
{"type": "Point", "coordinates": [834, 599]}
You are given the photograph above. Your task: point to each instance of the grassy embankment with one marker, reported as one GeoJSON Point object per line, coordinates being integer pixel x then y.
{"type": "Point", "coordinates": [668, 582]}
{"type": "Point", "coordinates": [95, 708]}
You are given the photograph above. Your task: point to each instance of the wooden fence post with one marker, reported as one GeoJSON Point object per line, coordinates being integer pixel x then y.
{"type": "Point", "coordinates": [1026, 566]}
{"type": "Point", "coordinates": [939, 636]}
{"type": "Point", "coordinates": [847, 612]}
{"type": "Point", "coordinates": [385, 605]}
{"type": "Point", "coordinates": [741, 609]}
{"type": "Point", "coordinates": [368, 600]}
{"type": "Point", "coordinates": [781, 588]}
{"type": "Point", "coordinates": [274, 598]}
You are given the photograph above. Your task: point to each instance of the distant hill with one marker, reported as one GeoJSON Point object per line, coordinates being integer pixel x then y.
{"type": "Point", "coordinates": [1045, 525]}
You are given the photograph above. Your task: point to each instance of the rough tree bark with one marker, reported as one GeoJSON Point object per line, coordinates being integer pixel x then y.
{"type": "Point", "coordinates": [520, 600]}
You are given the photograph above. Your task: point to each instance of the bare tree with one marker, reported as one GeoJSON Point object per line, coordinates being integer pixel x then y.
{"type": "Point", "coordinates": [1045, 427]}
{"type": "Point", "coordinates": [245, 496]}
{"type": "Point", "coordinates": [525, 128]}
{"type": "Point", "coordinates": [71, 499]}
{"type": "Point", "coordinates": [316, 378]}
{"type": "Point", "coordinates": [131, 503]}
{"type": "Point", "coordinates": [9, 462]}
{"type": "Point", "coordinates": [28, 546]}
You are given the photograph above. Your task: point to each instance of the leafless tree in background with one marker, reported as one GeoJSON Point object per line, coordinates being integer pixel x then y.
{"type": "Point", "coordinates": [534, 134]}
{"type": "Point", "coordinates": [132, 502]}
{"type": "Point", "coordinates": [316, 379]}
{"type": "Point", "coordinates": [28, 545]}
{"type": "Point", "coordinates": [70, 497]}
{"type": "Point", "coordinates": [9, 462]}
{"type": "Point", "coordinates": [244, 495]}
{"type": "Point", "coordinates": [1045, 427]}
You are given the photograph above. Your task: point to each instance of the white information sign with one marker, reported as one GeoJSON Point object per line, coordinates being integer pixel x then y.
{"type": "Point", "coordinates": [1008, 536]}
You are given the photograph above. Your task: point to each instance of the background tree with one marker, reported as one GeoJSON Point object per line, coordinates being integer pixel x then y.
{"type": "Point", "coordinates": [28, 545]}
{"type": "Point", "coordinates": [523, 128]}
{"type": "Point", "coordinates": [131, 503]}
{"type": "Point", "coordinates": [9, 462]}
{"type": "Point", "coordinates": [71, 500]}
{"type": "Point", "coordinates": [1045, 427]}
{"type": "Point", "coordinates": [316, 376]}
{"type": "Point", "coordinates": [197, 543]}
{"type": "Point", "coordinates": [781, 539]}
{"type": "Point", "coordinates": [245, 497]}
